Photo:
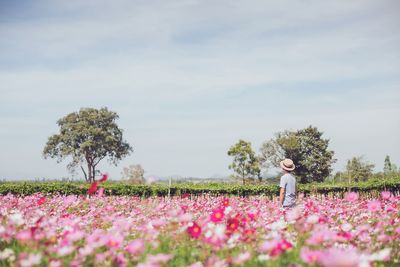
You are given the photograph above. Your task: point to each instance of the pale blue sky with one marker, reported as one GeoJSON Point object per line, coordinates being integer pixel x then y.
{"type": "Point", "coordinates": [189, 78]}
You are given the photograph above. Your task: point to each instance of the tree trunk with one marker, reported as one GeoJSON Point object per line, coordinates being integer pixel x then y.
{"type": "Point", "coordinates": [94, 172]}
{"type": "Point", "coordinates": [90, 172]}
{"type": "Point", "coordinates": [84, 173]}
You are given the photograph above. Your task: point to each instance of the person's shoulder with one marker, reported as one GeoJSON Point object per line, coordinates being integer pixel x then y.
{"type": "Point", "coordinates": [288, 175]}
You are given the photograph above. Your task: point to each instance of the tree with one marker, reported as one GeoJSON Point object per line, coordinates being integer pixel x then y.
{"type": "Point", "coordinates": [88, 136]}
{"type": "Point", "coordinates": [306, 147]}
{"type": "Point", "coordinates": [357, 169]}
{"type": "Point", "coordinates": [389, 168]}
{"type": "Point", "coordinates": [134, 174]}
{"type": "Point", "coordinates": [245, 162]}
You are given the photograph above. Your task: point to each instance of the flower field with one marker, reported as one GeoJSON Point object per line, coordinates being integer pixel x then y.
{"type": "Point", "coordinates": [200, 231]}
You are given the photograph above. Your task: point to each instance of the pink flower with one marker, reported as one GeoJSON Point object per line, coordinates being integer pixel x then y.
{"type": "Point", "coordinates": [119, 260]}
{"type": "Point", "coordinates": [217, 215]}
{"type": "Point", "coordinates": [196, 264]}
{"type": "Point", "coordinates": [241, 258]}
{"type": "Point", "coordinates": [385, 195]}
{"type": "Point", "coordinates": [24, 235]}
{"type": "Point", "coordinates": [374, 205]}
{"type": "Point", "coordinates": [281, 247]}
{"type": "Point", "coordinates": [185, 217]}
{"type": "Point", "coordinates": [334, 257]}
{"type": "Point", "coordinates": [86, 251]}
{"type": "Point", "coordinates": [159, 259]}
{"type": "Point", "coordinates": [114, 241]}
{"type": "Point", "coordinates": [135, 247]}
{"type": "Point", "coordinates": [275, 247]}
{"type": "Point", "coordinates": [100, 192]}
{"type": "Point", "coordinates": [397, 230]}
{"type": "Point", "coordinates": [65, 250]}
{"type": "Point", "coordinates": [319, 236]}
{"type": "Point", "coordinates": [309, 256]}
{"type": "Point", "coordinates": [55, 263]}
{"type": "Point", "coordinates": [352, 196]}
{"type": "Point", "coordinates": [31, 260]}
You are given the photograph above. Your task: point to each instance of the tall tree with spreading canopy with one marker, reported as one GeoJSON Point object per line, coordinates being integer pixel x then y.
{"type": "Point", "coordinates": [88, 136]}
{"type": "Point", "coordinates": [306, 148]}
{"type": "Point", "coordinates": [245, 162]}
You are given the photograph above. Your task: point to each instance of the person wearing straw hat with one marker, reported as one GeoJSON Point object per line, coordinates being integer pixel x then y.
{"type": "Point", "coordinates": [287, 196]}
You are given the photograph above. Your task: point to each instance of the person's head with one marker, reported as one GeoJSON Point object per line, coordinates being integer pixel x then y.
{"type": "Point", "coordinates": [287, 165]}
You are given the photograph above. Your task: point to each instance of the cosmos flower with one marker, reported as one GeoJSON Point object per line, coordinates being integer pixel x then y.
{"type": "Point", "coordinates": [310, 256]}
{"type": "Point", "coordinates": [352, 196]}
{"type": "Point", "coordinates": [194, 230]}
{"type": "Point", "coordinates": [217, 215]}
{"type": "Point", "coordinates": [374, 205]}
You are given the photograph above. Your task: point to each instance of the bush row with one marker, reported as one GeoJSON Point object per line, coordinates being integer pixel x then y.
{"type": "Point", "coordinates": [188, 189]}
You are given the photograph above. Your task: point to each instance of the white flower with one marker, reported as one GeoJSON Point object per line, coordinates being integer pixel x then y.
{"type": "Point", "coordinates": [16, 219]}
{"type": "Point", "coordinates": [7, 254]}
{"type": "Point", "coordinates": [227, 210]}
{"type": "Point", "coordinates": [278, 225]}
{"type": "Point", "coordinates": [208, 234]}
{"type": "Point", "coordinates": [211, 225]}
{"type": "Point", "coordinates": [381, 255]}
{"type": "Point", "coordinates": [220, 230]}
{"type": "Point", "coordinates": [65, 250]}
{"type": "Point", "coordinates": [312, 219]}
{"type": "Point", "coordinates": [346, 227]}
{"type": "Point", "coordinates": [32, 260]}
{"type": "Point", "coordinates": [86, 250]}
{"type": "Point", "coordinates": [263, 257]}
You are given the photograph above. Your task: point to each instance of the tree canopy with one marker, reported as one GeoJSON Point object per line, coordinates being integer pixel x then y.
{"type": "Point", "coordinates": [88, 136]}
{"type": "Point", "coordinates": [306, 147]}
{"type": "Point", "coordinates": [357, 169]}
{"type": "Point", "coordinates": [245, 163]}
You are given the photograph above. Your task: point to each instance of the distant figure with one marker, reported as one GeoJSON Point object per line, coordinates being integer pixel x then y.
{"type": "Point", "coordinates": [287, 196]}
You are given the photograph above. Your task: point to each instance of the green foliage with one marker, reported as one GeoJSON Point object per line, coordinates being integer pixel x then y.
{"type": "Point", "coordinates": [189, 189]}
{"type": "Point", "coordinates": [389, 169]}
{"type": "Point", "coordinates": [245, 163]}
{"type": "Point", "coordinates": [358, 169]}
{"type": "Point", "coordinates": [308, 150]}
{"type": "Point", "coordinates": [88, 136]}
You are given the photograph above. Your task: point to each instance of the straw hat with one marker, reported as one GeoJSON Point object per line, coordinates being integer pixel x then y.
{"type": "Point", "coordinates": [287, 164]}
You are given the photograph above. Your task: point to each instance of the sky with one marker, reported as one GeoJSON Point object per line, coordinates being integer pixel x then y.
{"type": "Point", "coordinates": [190, 78]}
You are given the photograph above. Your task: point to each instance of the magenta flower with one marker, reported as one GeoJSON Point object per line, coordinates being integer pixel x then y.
{"type": "Point", "coordinates": [194, 230]}
{"type": "Point", "coordinates": [217, 215]}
